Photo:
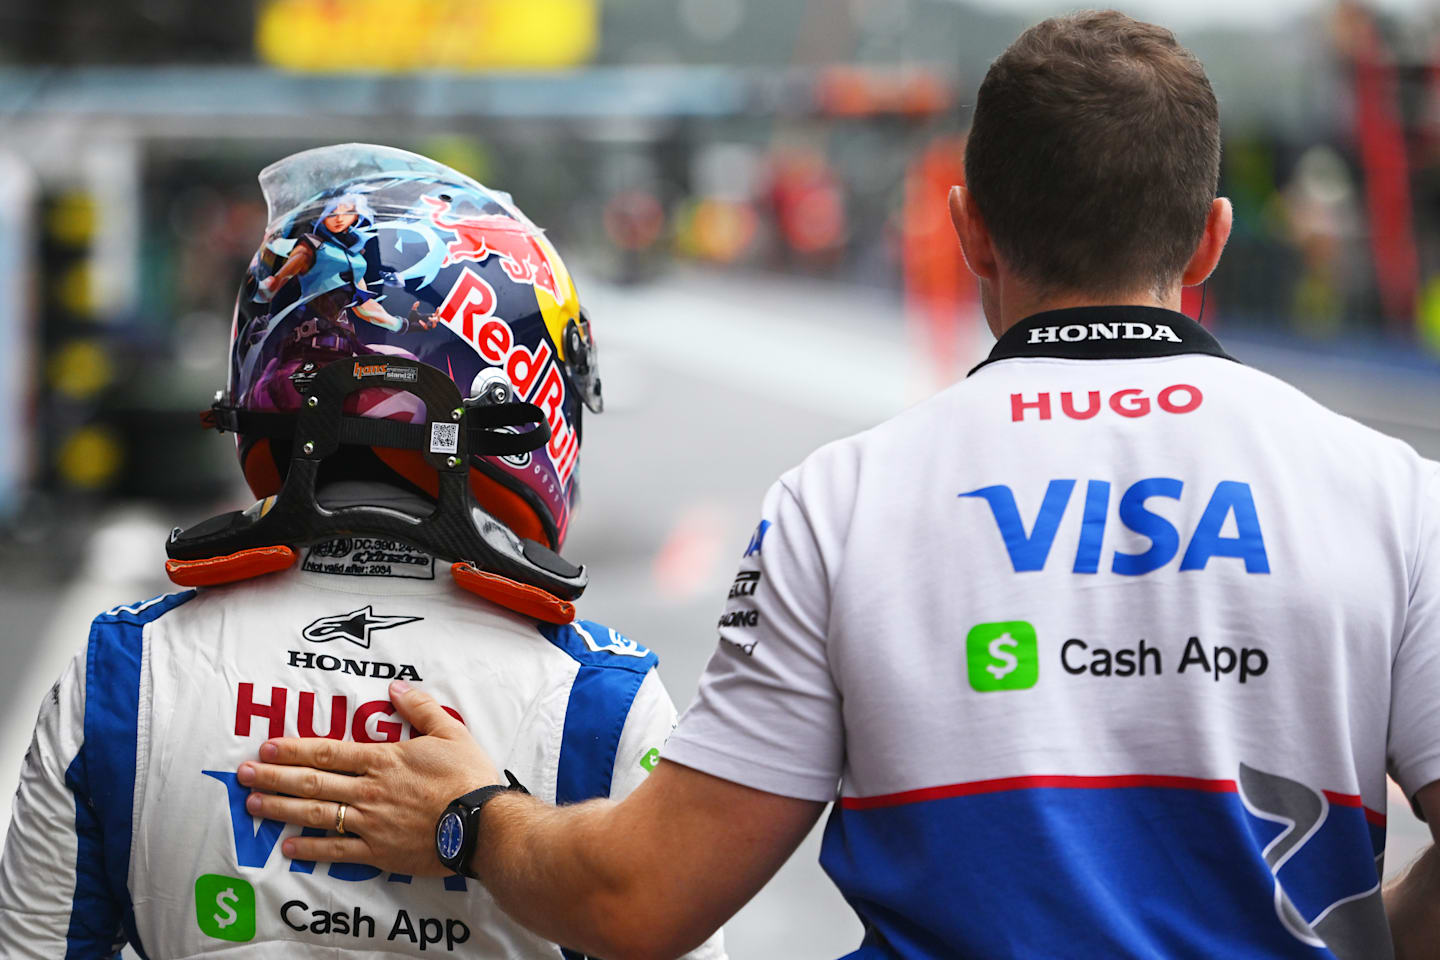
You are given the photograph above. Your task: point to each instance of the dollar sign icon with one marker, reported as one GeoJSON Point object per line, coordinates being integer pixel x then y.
{"type": "Point", "coordinates": [226, 900]}
{"type": "Point", "coordinates": [1007, 662]}
{"type": "Point", "coordinates": [1002, 656]}
{"type": "Point", "coordinates": [225, 907]}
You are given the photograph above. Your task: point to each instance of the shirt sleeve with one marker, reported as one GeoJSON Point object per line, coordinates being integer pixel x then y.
{"type": "Point", "coordinates": [767, 714]}
{"type": "Point", "coordinates": [45, 878]}
{"type": "Point", "coordinates": [1414, 748]}
{"type": "Point", "coordinates": [651, 718]}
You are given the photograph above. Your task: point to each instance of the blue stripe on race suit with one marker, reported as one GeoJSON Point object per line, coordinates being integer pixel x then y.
{"type": "Point", "coordinates": [599, 703]}
{"type": "Point", "coordinates": [102, 777]}
{"type": "Point", "coordinates": [612, 668]}
{"type": "Point", "coordinates": [1109, 872]}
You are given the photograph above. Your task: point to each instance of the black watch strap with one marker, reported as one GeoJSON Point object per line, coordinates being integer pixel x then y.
{"type": "Point", "coordinates": [468, 807]}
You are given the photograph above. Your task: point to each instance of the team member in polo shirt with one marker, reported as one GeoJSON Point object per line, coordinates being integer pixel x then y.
{"type": "Point", "coordinates": [1104, 651]}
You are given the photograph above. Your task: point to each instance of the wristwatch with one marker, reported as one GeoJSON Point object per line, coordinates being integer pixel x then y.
{"type": "Point", "coordinates": [457, 832]}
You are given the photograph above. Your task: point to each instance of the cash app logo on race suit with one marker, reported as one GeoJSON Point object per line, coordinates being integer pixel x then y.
{"type": "Point", "coordinates": [225, 907]}
{"type": "Point", "coordinates": [1002, 656]}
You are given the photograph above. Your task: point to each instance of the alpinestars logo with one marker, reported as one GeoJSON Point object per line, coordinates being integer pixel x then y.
{"type": "Point", "coordinates": [355, 626]}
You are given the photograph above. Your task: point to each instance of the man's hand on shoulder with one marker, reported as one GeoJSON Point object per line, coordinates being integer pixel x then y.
{"type": "Point", "coordinates": [393, 792]}
{"type": "Point", "coordinates": [650, 876]}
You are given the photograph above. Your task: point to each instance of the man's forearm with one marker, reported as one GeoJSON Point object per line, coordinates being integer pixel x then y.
{"type": "Point", "coordinates": [651, 876]}
{"type": "Point", "coordinates": [568, 873]}
{"type": "Point", "coordinates": [1413, 905]}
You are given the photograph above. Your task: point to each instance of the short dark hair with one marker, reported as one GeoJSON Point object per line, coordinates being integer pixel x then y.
{"type": "Point", "coordinates": [1094, 154]}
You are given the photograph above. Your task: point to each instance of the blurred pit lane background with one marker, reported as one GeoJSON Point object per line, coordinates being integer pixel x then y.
{"type": "Point", "coordinates": [751, 193]}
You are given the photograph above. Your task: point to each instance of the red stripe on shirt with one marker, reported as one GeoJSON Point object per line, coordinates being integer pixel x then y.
{"type": "Point", "coordinates": [1073, 782]}
{"type": "Point", "coordinates": [1352, 800]}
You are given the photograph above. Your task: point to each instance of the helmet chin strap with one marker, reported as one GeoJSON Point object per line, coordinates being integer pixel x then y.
{"type": "Point", "coordinates": [265, 538]}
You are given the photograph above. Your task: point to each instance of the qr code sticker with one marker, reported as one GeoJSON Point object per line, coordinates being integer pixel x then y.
{"type": "Point", "coordinates": [444, 437]}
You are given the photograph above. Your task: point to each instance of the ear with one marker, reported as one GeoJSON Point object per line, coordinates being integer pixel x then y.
{"type": "Point", "coordinates": [974, 236]}
{"type": "Point", "coordinates": [1212, 243]}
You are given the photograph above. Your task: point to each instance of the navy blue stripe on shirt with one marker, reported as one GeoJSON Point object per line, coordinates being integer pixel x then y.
{"type": "Point", "coordinates": [102, 777]}
{"type": "Point", "coordinates": [1154, 869]}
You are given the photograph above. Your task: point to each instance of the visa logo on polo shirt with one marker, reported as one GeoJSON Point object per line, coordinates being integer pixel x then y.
{"type": "Point", "coordinates": [1030, 550]}
{"type": "Point", "coordinates": [1077, 332]}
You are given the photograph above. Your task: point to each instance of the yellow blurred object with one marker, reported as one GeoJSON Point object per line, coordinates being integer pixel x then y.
{"type": "Point", "coordinates": [387, 36]}
{"type": "Point", "coordinates": [1427, 319]}
{"type": "Point", "coordinates": [80, 369]}
{"type": "Point", "coordinates": [89, 458]}
{"type": "Point", "coordinates": [75, 290]}
{"type": "Point", "coordinates": [72, 219]}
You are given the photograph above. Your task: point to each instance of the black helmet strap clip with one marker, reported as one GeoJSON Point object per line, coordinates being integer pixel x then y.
{"type": "Point", "coordinates": [459, 530]}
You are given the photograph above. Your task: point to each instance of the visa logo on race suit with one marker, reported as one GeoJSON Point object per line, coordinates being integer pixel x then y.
{"type": "Point", "coordinates": [1030, 551]}
{"type": "Point", "coordinates": [254, 845]}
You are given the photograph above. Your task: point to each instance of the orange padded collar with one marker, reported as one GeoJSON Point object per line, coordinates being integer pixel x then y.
{"type": "Point", "coordinates": [522, 598]}
{"type": "Point", "coordinates": [227, 569]}
{"type": "Point", "coordinates": [510, 594]}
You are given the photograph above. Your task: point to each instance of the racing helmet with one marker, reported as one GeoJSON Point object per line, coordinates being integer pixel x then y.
{"type": "Point", "coordinates": [372, 253]}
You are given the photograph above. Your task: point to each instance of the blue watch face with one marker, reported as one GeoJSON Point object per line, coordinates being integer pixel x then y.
{"type": "Point", "coordinates": [449, 835]}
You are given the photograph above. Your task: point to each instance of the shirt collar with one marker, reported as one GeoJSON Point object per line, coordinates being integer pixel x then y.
{"type": "Point", "coordinates": [1105, 333]}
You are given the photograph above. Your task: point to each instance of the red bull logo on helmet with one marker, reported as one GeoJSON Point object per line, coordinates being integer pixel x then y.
{"type": "Point", "coordinates": [496, 235]}
{"type": "Point", "coordinates": [469, 312]}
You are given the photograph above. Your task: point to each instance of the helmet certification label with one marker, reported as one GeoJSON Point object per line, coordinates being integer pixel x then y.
{"type": "Point", "coordinates": [369, 557]}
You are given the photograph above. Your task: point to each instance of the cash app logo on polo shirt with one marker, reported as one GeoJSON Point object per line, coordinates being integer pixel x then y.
{"type": "Point", "coordinates": [1002, 656]}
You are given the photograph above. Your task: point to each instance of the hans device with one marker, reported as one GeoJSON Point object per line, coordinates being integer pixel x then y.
{"type": "Point", "coordinates": [459, 530]}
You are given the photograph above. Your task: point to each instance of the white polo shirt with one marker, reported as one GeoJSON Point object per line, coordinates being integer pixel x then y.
{"type": "Point", "coordinates": [1104, 651]}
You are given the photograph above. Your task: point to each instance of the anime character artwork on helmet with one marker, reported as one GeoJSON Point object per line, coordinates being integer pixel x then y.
{"type": "Point", "coordinates": [374, 252]}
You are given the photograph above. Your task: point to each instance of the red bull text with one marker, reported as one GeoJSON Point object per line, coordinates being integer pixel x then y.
{"type": "Point", "coordinates": [468, 311]}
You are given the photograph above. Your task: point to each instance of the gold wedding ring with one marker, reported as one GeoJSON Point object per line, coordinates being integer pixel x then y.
{"type": "Point", "coordinates": [340, 819]}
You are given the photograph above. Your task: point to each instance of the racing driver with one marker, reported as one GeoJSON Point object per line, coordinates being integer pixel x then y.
{"type": "Point", "coordinates": [416, 467]}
